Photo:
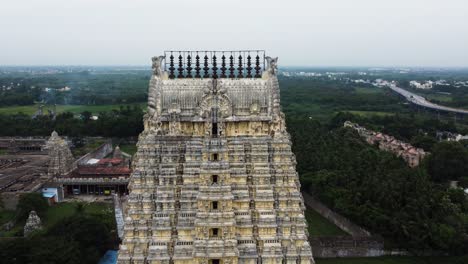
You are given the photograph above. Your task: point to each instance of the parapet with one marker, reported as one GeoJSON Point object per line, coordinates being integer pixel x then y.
{"type": "Point", "coordinates": [240, 85]}
{"type": "Point", "coordinates": [213, 64]}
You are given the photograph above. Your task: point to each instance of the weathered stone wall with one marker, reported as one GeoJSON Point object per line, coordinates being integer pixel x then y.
{"type": "Point", "coordinates": [23, 144]}
{"type": "Point", "coordinates": [340, 221]}
{"type": "Point", "coordinates": [101, 152]}
{"type": "Point", "coordinates": [342, 246]}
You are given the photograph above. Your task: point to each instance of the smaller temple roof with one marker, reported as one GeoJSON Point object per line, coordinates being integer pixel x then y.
{"type": "Point", "coordinates": [113, 161]}
{"type": "Point", "coordinates": [91, 170]}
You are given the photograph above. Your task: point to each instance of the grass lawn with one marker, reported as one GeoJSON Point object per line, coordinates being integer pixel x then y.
{"type": "Point", "coordinates": [75, 109]}
{"type": "Point", "coordinates": [129, 148]}
{"type": "Point", "coordinates": [395, 260]}
{"type": "Point", "coordinates": [439, 97]}
{"type": "Point", "coordinates": [320, 226]}
{"type": "Point", "coordinates": [3, 152]}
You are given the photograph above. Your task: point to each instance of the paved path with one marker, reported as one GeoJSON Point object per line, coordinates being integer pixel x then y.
{"type": "Point", "coordinates": [421, 101]}
{"type": "Point", "coordinates": [119, 216]}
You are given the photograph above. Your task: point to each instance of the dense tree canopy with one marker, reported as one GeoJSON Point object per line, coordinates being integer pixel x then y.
{"type": "Point", "coordinates": [78, 239]}
{"type": "Point", "coordinates": [448, 161]}
{"type": "Point", "coordinates": [125, 122]}
{"type": "Point", "coordinates": [377, 190]}
{"type": "Point", "coordinates": [28, 202]}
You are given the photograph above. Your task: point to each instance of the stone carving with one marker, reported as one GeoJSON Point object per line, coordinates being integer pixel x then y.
{"type": "Point", "coordinates": [157, 65]}
{"type": "Point", "coordinates": [217, 100]}
{"type": "Point", "coordinates": [254, 109]}
{"type": "Point", "coordinates": [174, 128]}
{"type": "Point", "coordinates": [272, 65]}
{"type": "Point", "coordinates": [32, 224]}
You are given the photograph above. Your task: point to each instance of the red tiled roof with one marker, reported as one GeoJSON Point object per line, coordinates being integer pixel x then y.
{"type": "Point", "coordinates": [93, 170]}
{"type": "Point", "coordinates": [113, 161]}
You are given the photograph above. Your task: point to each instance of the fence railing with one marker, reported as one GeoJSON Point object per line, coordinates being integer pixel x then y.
{"type": "Point", "coordinates": [214, 64]}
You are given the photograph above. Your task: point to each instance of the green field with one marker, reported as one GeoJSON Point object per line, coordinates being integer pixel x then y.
{"type": "Point", "coordinates": [439, 97]}
{"type": "Point", "coordinates": [75, 109]}
{"type": "Point", "coordinates": [320, 226]}
{"type": "Point", "coordinates": [129, 148]}
{"type": "Point", "coordinates": [395, 260]}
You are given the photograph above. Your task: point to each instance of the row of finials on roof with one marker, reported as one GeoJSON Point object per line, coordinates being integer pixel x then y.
{"type": "Point", "coordinates": [229, 68]}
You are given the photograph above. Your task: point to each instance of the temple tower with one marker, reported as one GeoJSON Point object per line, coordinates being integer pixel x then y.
{"type": "Point", "coordinates": [214, 179]}
{"type": "Point", "coordinates": [61, 161]}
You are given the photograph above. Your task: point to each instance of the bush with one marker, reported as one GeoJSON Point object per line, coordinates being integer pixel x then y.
{"type": "Point", "coordinates": [28, 202]}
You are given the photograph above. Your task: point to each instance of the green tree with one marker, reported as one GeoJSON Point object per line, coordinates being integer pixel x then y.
{"type": "Point", "coordinates": [86, 116]}
{"type": "Point", "coordinates": [28, 202]}
{"type": "Point", "coordinates": [423, 141]}
{"type": "Point", "coordinates": [93, 236]}
{"type": "Point", "coordinates": [448, 161]}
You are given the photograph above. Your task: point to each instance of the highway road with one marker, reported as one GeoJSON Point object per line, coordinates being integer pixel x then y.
{"type": "Point", "coordinates": [421, 101]}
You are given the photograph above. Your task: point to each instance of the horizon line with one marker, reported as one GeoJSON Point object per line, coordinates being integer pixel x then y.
{"type": "Point", "coordinates": [280, 66]}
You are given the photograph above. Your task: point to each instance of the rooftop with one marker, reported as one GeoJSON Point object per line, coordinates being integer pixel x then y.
{"type": "Point", "coordinates": [92, 170]}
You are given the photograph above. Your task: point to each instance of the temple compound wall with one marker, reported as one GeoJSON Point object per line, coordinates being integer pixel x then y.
{"type": "Point", "coordinates": [23, 145]}
{"type": "Point", "coordinates": [214, 177]}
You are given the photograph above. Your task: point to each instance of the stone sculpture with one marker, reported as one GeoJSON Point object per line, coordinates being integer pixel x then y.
{"type": "Point", "coordinates": [32, 224]}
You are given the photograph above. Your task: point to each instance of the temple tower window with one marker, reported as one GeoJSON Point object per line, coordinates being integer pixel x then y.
{"type": "Point", "coordinates": [214, 179]}
{"type": "Point", "coordinates": [214, 232]}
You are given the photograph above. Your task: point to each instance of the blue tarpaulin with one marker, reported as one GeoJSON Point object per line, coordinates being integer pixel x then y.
{"type": "Point", "coordinates": [48, 194]}
{"type": "Point", "coordinates": [109, 258]}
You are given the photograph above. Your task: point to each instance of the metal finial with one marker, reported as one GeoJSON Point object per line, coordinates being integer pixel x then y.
{"type": "Point", "coordinates": [240, 69]}
{"type": "Point", "coordinates": [214, 68]}
{"type": "Point", "coordinates": [189, 66]}
{"type": "Point", "coordinates": [231, 67]}
{"type": "Point", "coordinates": [206, 68]}
{"type": "Point", "coordinates": [257, 67]}
{"type": "Point", "coordinates": [249, 66]}
{"type": "Point", "coordinates": [197, 66]}
{"type": "Point", "coordinates": [223, 66]}
{"type": "Point", "coordinates": [171, 67]}
{"type": "Point", "coordinates": [181, 67]}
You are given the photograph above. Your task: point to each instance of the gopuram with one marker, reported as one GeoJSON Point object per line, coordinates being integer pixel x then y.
{"type": "Point", "coordinates": [61, 159]}
{"type": "Point", "coordinates": [214, 177]}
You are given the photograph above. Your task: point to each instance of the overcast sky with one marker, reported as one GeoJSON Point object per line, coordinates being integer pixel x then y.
{"type": "Point", "coordinates": [299, 32]}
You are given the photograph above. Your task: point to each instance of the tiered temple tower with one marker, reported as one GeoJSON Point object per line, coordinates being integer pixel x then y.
{"type": "Point", "coordinates": [61, 161]}
{"type": "Point", "coordinates": [214, 178]}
